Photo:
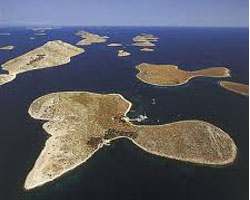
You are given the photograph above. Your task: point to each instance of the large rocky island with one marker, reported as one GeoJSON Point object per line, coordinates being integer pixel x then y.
{"type": "Point", "coordinates": [51, 54]}
{"type": "Point", "coordinates": [80, 123]}
{"type": "Point", "coordinates": [171, 75]}
{"type": "Point", "coordinates": [239, 88]}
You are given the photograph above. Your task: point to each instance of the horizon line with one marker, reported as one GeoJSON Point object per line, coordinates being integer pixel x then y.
{"type": "Point", "coordinates": [169, 26]}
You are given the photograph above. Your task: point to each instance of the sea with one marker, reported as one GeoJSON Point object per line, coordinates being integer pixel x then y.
{"type": "Point", "coordinates": [122, 171]}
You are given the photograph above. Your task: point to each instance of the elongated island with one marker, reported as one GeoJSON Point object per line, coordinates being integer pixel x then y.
{"type": "Point", "coordinates": [114, 45]}
{"type": "Point", "coordinates": [171, 75]}
{"type": "Point", "coordinates": [51, 54]}
{"type": "Point", "coordinates": [80, 123]}
{"type": "Point", "coordinates": [239, 88]}
{"type": "Point", "coordinates": [7, 47]}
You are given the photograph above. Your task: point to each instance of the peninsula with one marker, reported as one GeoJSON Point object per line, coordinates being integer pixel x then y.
{"type": "Point", "coordinates": [80, 123]}
{"type": "Point", "coordinates": [170, 75]}
{"type": "Point", "coordinates": [51, 54]}
{"type": "Point", "coordinates": [7, 48]}
{"type": "Point", "coordinates": [122, 53]}
{"type": "Point", "coordinates": [90, 38]}
{"type": "Point", "coordinates": [239, 88]}
{"type": "Point", "coordinates": [145, 40]}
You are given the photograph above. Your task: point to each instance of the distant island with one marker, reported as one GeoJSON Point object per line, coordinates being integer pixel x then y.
{"type": "Point", "coordinates": [51, 54]}
{"type": "Point", "coordinates": [170, 75]}
{"type": "Point", "coordinates": [122, 53]}
{"type": "Point", "coordinates": [90, 38]}
{"type": "Point", "coordinates": [42, 29]}
{"type": "Point", "coordinates": [145, 40]}
{"type": "Point", "coordinates": [147, 49]}
{"type": "Point", "coordinates": [114, 45]}
{"type": "Point", "coordinates": [40, 33]}
{"type": "Point", "coordinates": [5, 34]}
{"type": "Point", "coordinates": [7, 47]}
{"type": "Point", "coordinates": [80, 123]}
{"type": "Point", "coordinates": [239, 88]}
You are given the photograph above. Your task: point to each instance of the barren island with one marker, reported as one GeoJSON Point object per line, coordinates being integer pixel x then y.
{"type": "Point", "coordinates": [171, 75]}
{"type": "Point", "coordinates": [51, 54]}
{"type": "Point", "coordinates": [80, 123]}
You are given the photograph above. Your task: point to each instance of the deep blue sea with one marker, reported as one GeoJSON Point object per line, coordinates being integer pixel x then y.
{"type": "Point", "coordinates": [122, 171]}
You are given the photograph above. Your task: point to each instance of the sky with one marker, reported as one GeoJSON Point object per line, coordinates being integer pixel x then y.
{"type": "Point", "coordinates": [206, 13]}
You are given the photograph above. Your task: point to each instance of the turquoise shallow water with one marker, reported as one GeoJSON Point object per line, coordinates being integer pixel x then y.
{"type": "Point", "coordinates": [123, 171]}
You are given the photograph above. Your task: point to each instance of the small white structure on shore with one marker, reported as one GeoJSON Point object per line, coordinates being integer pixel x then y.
{"type": "Point", "coordinates": [140, 118]}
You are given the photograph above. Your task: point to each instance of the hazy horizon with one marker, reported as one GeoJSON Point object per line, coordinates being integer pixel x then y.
{"type": "Point", "coordinates": [178, 13]}
{"type": "Point", "coordinates": [160, 26]}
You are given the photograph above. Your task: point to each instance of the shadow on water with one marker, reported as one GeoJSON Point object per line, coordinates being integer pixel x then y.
{"type": "Point", "coordinates": [122, 170]}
